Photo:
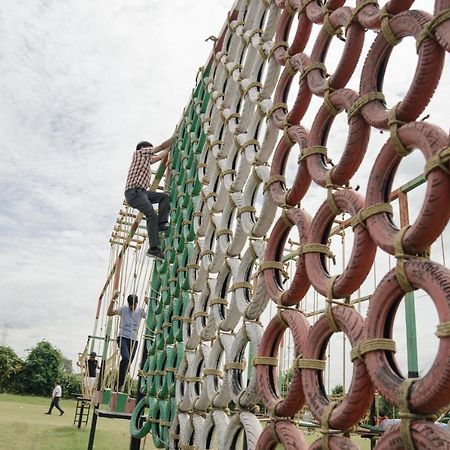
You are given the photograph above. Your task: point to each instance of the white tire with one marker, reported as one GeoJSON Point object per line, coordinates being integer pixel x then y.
{"type": "Point", "coordinates": [245, 424]}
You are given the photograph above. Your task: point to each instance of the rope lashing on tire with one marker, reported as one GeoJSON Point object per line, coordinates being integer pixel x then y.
{"type": "Point", "coordinates": [394, 124]}
{"type": "Point", "coordinates": [357, 9]}
{"type": "Point", "coordinates": [429, 30]}
{"type": "Point", "coordinates": [274, 265]}
{"type": "Point", "coordinates": [244, 209]}
{"type": "Point", "coordinates": [200, 314]}
{"type": "Point", "coordinates": [314, 364]}
{"type": "Point", "coordinates": [327, 91]}
{"type": "Point", "coordinates": [276, 46]}
{"type": "Point", "coordinates": [332, 31]}
{"type": "Point", "coordinates": [313, 66]}
{"type": "Point", "coordinates": [330, 198]}
{"type": "Point", "coordinates": [315, 149]}
{"type": "Point", "coordinates": [370, 211]}
{"type": "Point", "coordinates": [219, 301]}
{"type": "Point", "coordinates": [401, 257]}
{"type": "Point", "coordinates": [224, 231]}
{"type": "Point", "coordinates": [265, 360]}
{"type": "Point", "coordinates": [406, 415]}
{"type": "Point", "coordinates": [288, 66]}
{"type": "Point", "coordinates": [363, 100]}
{"type": "Point", "coordinates": [214, 372]}
{"type": "Point", "coordinates": [286, 219]}
{"type": "Point", "coordinates": [325, 429]}
{"type": "Point", "coordinates": [250, 86]}
{"type": "Point", "coordinates": [235, 366]}
{"type": "Point", "coordinates": [288, 8]}
{"type": "Point", "coordinates": [438, 161]}
{"type": "Point", "coordinates": [289, 142]}
{"type": "Point", "coordinates": [276, 107]}
{"type": "Point", "coordinates": [318, 248]}
{"type": "Point", "coordinates": [254, 142]}
{"type": "Point", "coordinates": [388, 34]}
{"type": "Point", "coordinates": [240, 285]}
{"type": "Point", "coordinates": [302, 6]}
{"type": "Point", "coordinates": [443, 330]}
{"type": "Point", "coordinates": [371, 345]}
{"type": "Point", "coordinates": [274, 179]}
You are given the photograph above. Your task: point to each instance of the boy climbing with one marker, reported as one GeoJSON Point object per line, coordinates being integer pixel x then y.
{"type": "Point", "coordinates": [137, 195]}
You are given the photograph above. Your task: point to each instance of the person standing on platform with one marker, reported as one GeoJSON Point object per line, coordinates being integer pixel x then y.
{"type": "Point", "coordinates": [130, 318]}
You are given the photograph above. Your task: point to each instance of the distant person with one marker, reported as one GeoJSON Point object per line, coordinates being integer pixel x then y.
{"type": "Point", "coordinates": [137, 195]}
{"type": "Point", "coordinates": [130, 318]}
{"type": "Point", "coordinates": [92, 366]}
{"type": "Point", "coordinates": [56, 395]}
{"type": "Point", "coordinates": [381, 417]}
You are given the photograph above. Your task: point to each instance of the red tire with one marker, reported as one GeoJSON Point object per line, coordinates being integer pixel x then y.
{"type": "Point", "coordinates": [284, 26]}
{"type": "Point", "coordinates": [435, 211]}
{"type": "Point", "coordinates": [363, 251]}
{"type": "Point", "coordinates": [425, 435]}
{"type": "Point", "coordinates": [274, 252]}
{"type": "Point", "coordinates": [267, 375]}
{"type": "Point", "coordinates": [442, 33]}
{"type": "Point", "coordinates": [355, 147]}
{"type": "Point", "coordinates": [426, 77]}
{"type": "Point", "coordinates": [335, 443]}
{"type": "Point", "coordinates": [280, 116]}
{"type": "Point", "coordinates": [360, 394]}
{"type": "Point", "coordinates": [430, 392]}
{"type": "Point", "coordinates": [316, 12]}
{"type": "Point", "coordinates": [282, 432]}
{"type": "Point", "coordinates": [354, 40]}
{"type": "Point", "coordinates": [280, 195]}
{"type": "Point", "coordinates": [369, 15]}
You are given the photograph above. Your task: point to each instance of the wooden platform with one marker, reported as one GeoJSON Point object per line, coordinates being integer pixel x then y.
{"type": "Point", "coordinates": [112, 414]}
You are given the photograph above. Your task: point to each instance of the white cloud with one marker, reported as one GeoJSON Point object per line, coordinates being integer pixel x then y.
{"type": "Point", "coordinates": [80, 83]}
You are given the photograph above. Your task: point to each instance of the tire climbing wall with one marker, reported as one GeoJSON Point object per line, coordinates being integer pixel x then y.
{"type": "Point", "coordinates": [244, 161]}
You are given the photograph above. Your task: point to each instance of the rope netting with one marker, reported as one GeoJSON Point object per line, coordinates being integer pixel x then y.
{"type": "Point", "coordinates": [253, 285]}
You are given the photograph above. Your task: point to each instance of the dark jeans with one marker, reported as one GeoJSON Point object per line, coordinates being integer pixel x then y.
{"type": "Point", "coordinates": [55, 403]}
{"type": "Point", "coordinates": [127, 351]}
{"type": "Point", "coordinates": [142, 200]}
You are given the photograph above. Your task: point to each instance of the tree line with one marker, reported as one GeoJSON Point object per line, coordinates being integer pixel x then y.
{"type": "Point", "coordinates": [38, 372]}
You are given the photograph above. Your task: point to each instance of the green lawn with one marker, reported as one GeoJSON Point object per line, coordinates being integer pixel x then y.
{"type": "Point", "coordinates": [24, 426]}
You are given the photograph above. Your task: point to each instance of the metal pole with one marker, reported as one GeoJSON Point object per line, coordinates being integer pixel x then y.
{"type": "Point", "coordinates": [92, 432]}
{"type": "Point", "coordinates": [410, 312]}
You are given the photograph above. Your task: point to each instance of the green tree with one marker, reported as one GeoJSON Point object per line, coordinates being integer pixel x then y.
{"type": "Point", "coordinates": [337, 390]}
{"type": "Point", "coordinates": [10, 365]}
{"type": "Point", "coordinates": [70, 384]}
{"type": "Point", "coordinates": [67, 365]}
{"type": "Point", "coordinates": [384, 407]}
{"type": "Point", "coordinates": [43, 366]}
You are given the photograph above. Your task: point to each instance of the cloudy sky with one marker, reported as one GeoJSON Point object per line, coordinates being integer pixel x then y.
{"type": "Point", "coordinates": [80, 83]}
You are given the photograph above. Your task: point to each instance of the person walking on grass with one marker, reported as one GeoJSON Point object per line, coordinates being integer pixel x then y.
{"type": "Point", "coordinates": [56, 395]}
{"type": "Point", "coordinates": [137, 195]}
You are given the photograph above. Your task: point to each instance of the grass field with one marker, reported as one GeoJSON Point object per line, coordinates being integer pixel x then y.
{"type": "Point", "coordinates": [24, 426]}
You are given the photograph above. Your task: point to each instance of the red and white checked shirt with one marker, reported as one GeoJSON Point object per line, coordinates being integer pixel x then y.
{"type": "Point", "coordinates": [139, 173]}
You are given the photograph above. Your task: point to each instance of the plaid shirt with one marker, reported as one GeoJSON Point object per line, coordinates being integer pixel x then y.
{"type": "Point", "coordinates": [139, 173]}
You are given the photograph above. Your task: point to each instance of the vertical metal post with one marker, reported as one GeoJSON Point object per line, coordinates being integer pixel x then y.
{"type": "Point", "coordinates": [81, 411]}
{"type": "Point", "coordinates": [250, 362]}
{"type": "Point", "coordinates": [92, 432]}
{"type": "Point", "coordinates": [410, 312]}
